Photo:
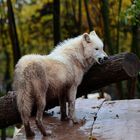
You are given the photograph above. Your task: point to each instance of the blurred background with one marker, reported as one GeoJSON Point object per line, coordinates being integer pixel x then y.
{"type": "Point", "coordinates": [37, 26]}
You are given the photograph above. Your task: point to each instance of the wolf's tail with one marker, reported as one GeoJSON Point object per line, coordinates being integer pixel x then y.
{"type": "Point", "coordinates": [25, 104]}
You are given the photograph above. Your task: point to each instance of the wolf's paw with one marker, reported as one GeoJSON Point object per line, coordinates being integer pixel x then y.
{"type": "Point", "coordinates": [64, 118]}
{"type": "Point", "coordinates": [73, 121]}
{"type": "Point", "coordinates": [48, 133]}
{"type": "Point", "coordinates": [30, 134]}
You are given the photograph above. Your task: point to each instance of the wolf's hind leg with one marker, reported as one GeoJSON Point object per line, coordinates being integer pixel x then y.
{"type": "Point", "coordinates": [29, 132]}
{"type": "Point", "coordinates": [71, 104]}
{"type": "Point", "coordinates": [41, 103]}
{"type": "Point", "coordinates": [25, 116]}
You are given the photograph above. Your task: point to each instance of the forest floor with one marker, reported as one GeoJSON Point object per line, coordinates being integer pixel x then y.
{"type": "Point", "coordinates": [99, 120]}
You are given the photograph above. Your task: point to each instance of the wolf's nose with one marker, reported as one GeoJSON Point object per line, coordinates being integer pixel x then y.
{"type": "Point", "coordinates": [100, 60]}
{"type": "Point", "coordinates": [105, 58]}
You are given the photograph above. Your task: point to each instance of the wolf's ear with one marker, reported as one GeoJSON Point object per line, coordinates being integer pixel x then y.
{"type": "Point", "coordinates": [86, 37]}
{"type": "Point", "coordinates": [93, 33]}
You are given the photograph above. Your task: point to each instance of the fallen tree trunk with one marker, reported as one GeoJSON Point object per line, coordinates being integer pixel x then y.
{"type": "Point", "coordinates": [119, 67]}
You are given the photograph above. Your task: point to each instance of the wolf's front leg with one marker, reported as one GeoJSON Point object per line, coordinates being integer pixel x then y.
{"type": "Point", "coordinates": [71, 105]}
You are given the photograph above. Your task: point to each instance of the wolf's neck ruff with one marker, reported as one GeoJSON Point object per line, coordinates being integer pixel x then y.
{"type": "Point", "coordinates": [72, 50]}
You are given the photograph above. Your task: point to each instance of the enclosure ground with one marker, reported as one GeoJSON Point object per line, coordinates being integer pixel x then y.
{"type": "Point", "coordinates": [116, 120]}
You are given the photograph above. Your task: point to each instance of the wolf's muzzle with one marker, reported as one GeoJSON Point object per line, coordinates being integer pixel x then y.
{"type": "Point", "coordinates": [101, 60]}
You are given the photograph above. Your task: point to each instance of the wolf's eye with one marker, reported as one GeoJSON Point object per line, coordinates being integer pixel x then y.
{"type": "Point", "coordinates": [96, 49]}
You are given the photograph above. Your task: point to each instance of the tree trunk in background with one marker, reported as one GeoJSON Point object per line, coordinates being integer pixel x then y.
{"type": "Point", "coordinates": [107, 34]}
{"type": "Point", "coordinates": [131, 86]}
{"type": "Point", "coordinates": [118, 26]}
{"type": "Point", "coordinates": [135, 49]}
{"type": "Point", "coordinates": [7, 55]}
{"type": "Point", "coordinates": [80, 15]}
{"type": "Point", "coordinates": [7, 84]}
{"type": "Point", "coordinates": [119, 90]}
{"type": "Point", "coordinates": [88, 16]}
{"type": "Point", "coordinates": [56, 21]}
{"type": "Point", "coordinates": [138, 86]}
{"type": "Point", "coordinates": [6, 79]}
{"type": "Point", "coordinates": [3, 134]}
{"type": "Point", "coordinates": [119, 86]}
{"type": "Point", "coordinates": [13, 33]}
{"type": "Point", "coordinates": [74, 13]}
{"type": "Point", "coordinates": [135, 43]}
{"type": "Point", "coordinates": [7, 72]}
{"type": "Point", "coordinates": [15, 45]}
{"type": "Point", "coordinates": [108, 39]}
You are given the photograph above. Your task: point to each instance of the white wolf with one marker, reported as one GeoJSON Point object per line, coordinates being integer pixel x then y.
{"type": "Point", "coordinates": [40, 78]}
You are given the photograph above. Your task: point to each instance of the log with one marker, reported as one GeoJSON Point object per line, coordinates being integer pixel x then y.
{"type": "Point", "coordinates": [117, 68]}
{"type": "Point", "coordinates": [9, 114]}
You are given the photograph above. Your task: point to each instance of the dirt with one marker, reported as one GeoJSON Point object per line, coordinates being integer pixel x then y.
{"type": "Point", "coordinates": [62, 130]}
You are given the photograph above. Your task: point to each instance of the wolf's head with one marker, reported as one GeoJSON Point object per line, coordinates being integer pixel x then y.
{"type": "Point", "coordinates": [93, 47]}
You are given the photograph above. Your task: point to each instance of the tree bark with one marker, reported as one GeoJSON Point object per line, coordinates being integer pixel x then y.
{"type": "Point", "coordinates": [119, 67]}
{"type": "Point", "coordinates": [88, 16]}
{"type": "Point", "coordinates": [80, 16]}
{"type": "Point", "coordinates": [56, 21]}
{"type": "Point", "coordinates": [118, 26]}
{"type": "Point", "coordinates": [106, 21]}
{"type": "Point", "coordinates": [13, 33]}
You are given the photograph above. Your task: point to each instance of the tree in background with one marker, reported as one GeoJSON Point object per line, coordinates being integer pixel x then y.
{"type": "Point", "coordinates": [38, 26]}
{"type": "Point", "coordinates": [132, 18]}
{"type": "Point", "coordinates": [13, 33]}
{"type": "Point", "coordinates": [15, 47]}
{"type": "Point", "coordinates": [107, 34]}
{"type": "Point", "coordinates": [56, 22]}
{"type": "Point", "coordinates": [88, 15]}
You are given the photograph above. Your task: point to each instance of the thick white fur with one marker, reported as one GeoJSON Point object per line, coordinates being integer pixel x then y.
{"type": "Point", "coordinates": [38, 78]}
